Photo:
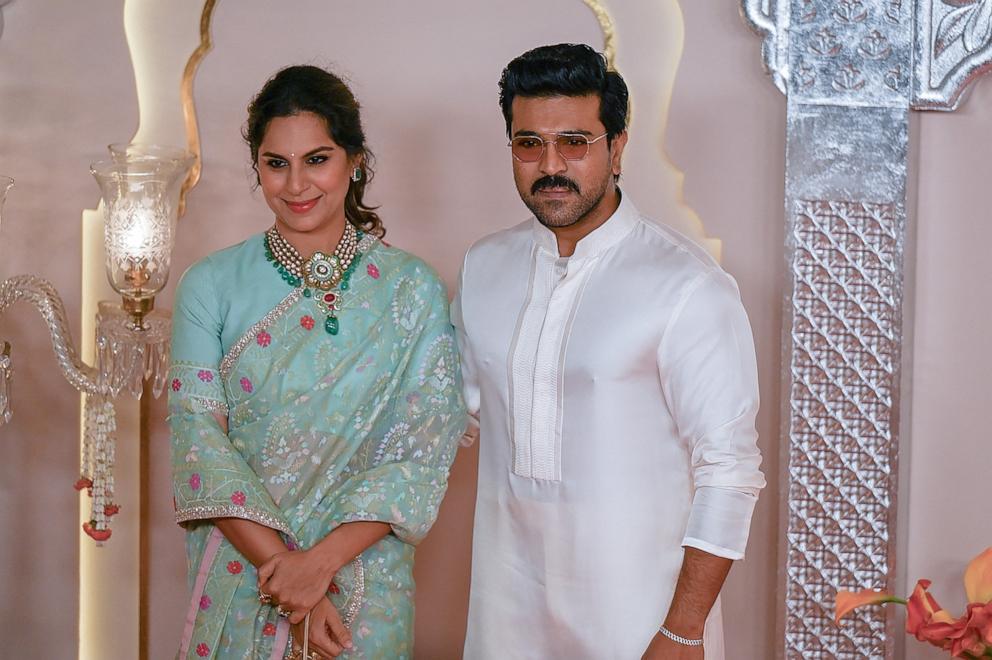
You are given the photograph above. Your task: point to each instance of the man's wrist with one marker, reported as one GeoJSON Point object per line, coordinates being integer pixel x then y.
{"type": "Point", "coordinates": [680, 639]}
{"type": "Point", "coordinates": [689, 628]}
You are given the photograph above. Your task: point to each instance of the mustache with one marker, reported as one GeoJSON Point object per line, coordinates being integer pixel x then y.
{"type": "Point", "coordinates": [554, 181]}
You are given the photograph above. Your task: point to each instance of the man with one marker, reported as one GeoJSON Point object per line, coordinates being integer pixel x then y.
{"type": "Point", "coordinates": [612, 368]}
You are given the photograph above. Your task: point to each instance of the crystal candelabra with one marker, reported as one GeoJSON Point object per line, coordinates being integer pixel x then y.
{"type": "Point", "coordinates": [140, 186]}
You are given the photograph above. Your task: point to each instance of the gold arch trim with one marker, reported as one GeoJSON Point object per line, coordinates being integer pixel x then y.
{"type": "Point", "coordinates": [189, 105]}
{"type": "Point", "coordinates": [608, 28]}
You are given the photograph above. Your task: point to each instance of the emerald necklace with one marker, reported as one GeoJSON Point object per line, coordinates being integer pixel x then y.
{"type": "Point", "coordinates": [319, 274]}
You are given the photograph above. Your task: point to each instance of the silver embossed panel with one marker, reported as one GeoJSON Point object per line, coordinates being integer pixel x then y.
{"type": "Point", "coordinates": [852, 70]}
{"type": "Point", "coordinates": [845, 353]}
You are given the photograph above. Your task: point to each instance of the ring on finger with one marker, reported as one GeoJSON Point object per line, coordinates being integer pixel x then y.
{"type": "Point", "coordinates": [264, 598]}
{"type": "Point", "coordinates": [283, 613]}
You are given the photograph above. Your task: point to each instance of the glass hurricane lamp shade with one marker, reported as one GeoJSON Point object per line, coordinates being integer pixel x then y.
{"type": "Point", "coordinates": [141, 198]}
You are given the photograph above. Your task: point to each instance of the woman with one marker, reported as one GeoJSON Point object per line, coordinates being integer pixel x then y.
{"type": "Point", "coordinates": [315, 402]}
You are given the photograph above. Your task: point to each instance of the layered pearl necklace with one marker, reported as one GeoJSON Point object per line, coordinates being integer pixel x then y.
{"type": "Point", "coordinates": [320, 273]}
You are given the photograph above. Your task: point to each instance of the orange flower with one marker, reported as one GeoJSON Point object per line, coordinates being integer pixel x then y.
{"type": "Point", "coordinates": [978, 578]}
{"type": "Point", "coordinates": [925, 619]}
{"type": "Point", "coordinates": [848, 600]}
{"type": "Point", "coordinates": [980, 619]}
{"type": "Point", "coordinates": [970, 634]}
{"type": "Point", "coordinates": [974, 634]}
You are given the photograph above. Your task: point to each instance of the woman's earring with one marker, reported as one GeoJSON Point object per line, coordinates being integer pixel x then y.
{"type": "Point", "coordinates": [356, 175]}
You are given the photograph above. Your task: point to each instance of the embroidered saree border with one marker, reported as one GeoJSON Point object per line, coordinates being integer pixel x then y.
{"type": "Point", "coordinates": [233, 511]}
{"type": "Point", "coordinates": [273, 315]}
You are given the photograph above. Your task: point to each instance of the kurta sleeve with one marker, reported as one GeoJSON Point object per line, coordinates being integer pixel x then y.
{"type": "Point", "coordinates": [210, 477]}
{"type": "Point", "coordinates": [709, 375]}
{"type": "Point", "coordinates": [470, 381]}
{"type": "Point", "coordinates": [405, 463]}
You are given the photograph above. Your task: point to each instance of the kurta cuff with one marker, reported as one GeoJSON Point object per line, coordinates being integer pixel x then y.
{"type": "Point", "coordinates": [720, 520]}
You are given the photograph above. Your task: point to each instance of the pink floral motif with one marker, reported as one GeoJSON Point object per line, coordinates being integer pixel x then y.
{"type": "Point", "coordinates": [205, 376]}
{"type": "Point", "coordinates": [291, 546]}
{"type": "Point", "coordinates": [269, 629]}
{"type": "Point", "coordinates": [373, 271]}
{"type": "Point", "coordinates": [246, 385]}
{"type": "Point", "coordinates": [205, 602]}
{"type": "Point", "coordinates": [238, 497]}
{"type": "Point", "coordinates": [176, 384]}
{"type": "Point", "coordinates": [194, 481]}
{"type": "Point", "coordinates": [263, 339]}
{"type": "Point", "coordinates": [202, 650]}
{"type": "Point", "coordinates": [234, 567]}
{"type": "Point", "coordinates": [307, 322]}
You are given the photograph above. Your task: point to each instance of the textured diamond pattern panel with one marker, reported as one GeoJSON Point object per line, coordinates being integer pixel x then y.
{"type": "Point", "coordinates": [846, 316]}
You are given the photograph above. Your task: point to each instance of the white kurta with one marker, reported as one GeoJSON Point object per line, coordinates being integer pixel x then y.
{"type": "Point", "coordinates": [616, 391]}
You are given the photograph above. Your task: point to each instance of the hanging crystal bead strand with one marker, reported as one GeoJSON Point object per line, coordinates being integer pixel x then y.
{"type": "Point", "coordinates": [99, 454]}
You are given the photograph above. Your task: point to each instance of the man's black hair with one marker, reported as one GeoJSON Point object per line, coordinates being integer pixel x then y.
{"type": "Point", "coordinates": [566, 70]}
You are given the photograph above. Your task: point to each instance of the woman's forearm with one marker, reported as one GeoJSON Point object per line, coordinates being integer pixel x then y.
{"type": "Point", "coordinates": [347, 541]}
{"type": "Point", "coordinates": [259, 543]}
{"type": "Point", "coordinates": [256, 542]}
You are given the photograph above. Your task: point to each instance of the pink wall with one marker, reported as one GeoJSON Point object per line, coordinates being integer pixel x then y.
{"type": "Point", "coordinates": [950, 459]}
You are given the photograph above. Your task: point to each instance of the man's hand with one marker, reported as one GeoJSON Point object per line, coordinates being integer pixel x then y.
{"type": "Point", "coordinates": [328, 636]}
{"type": "Point", "coordinates": [662, 648]}
{"type": "Point", "coordinates": [296, 580]}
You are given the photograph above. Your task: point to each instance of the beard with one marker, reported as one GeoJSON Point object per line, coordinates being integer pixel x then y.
{"type": "Point", "coordinates": [557, 213]}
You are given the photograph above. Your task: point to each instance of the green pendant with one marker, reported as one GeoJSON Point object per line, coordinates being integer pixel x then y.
{"type": "Point", "coordinates": [331, 325]}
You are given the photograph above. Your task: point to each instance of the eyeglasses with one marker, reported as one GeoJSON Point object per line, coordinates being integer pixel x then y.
{"type": "Point", "coordinates": [570, 146]}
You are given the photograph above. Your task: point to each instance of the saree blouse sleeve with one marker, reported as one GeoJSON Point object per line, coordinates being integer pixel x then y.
{"type": "Point", "coordinates": [210, 477]}
{"type": "Point", "coordinates": [401, 474]}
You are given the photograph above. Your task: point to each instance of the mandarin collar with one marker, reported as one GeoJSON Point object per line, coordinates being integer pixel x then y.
{"type": "Point", "coordinates": [608, 234]}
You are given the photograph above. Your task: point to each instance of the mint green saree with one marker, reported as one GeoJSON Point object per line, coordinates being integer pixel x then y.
{"type": "Point", "coordinates": [323, 430]}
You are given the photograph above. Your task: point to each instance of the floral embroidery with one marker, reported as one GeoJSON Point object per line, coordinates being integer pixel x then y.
{"type": "Point", "coordinates": [234, 567]}
{"type": "Point", "coordinates": [202, 650]}
{"type": "Point", "coordinates": [269, 629]}
{"type": "Point", "coordinates": [263, 339]}
{"type": "Point", "coordinates": [176, 384]}
{"type": "Point", "coordinates": [334, 588]}
{"type": "Point", "coordinates": [373, 271]}
{"type": "Point", "coordinates": [205, 602]}
{"type": "Point", "coordinates": [205, 375]}
{"type": "Point", "coordinates": [307, 322]}
{"type": "Point", "coordinates": [194, 481]}
{"type": "Point", "coordinates": [238, 497]}
{"type": "Point", "coordinates": [246, 385]}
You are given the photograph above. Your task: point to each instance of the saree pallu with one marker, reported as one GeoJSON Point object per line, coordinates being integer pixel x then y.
{"type": "Point", "coordinates": [323, 430]}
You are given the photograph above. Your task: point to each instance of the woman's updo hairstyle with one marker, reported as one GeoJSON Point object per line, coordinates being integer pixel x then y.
{"type": "Point", "coordinates": [306, 88]}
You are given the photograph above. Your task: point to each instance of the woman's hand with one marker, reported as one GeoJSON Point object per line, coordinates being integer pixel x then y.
{"type": "Point", "coordinates": [328, 635]}
{"type": "Point", "coordinates": [296, 580]}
